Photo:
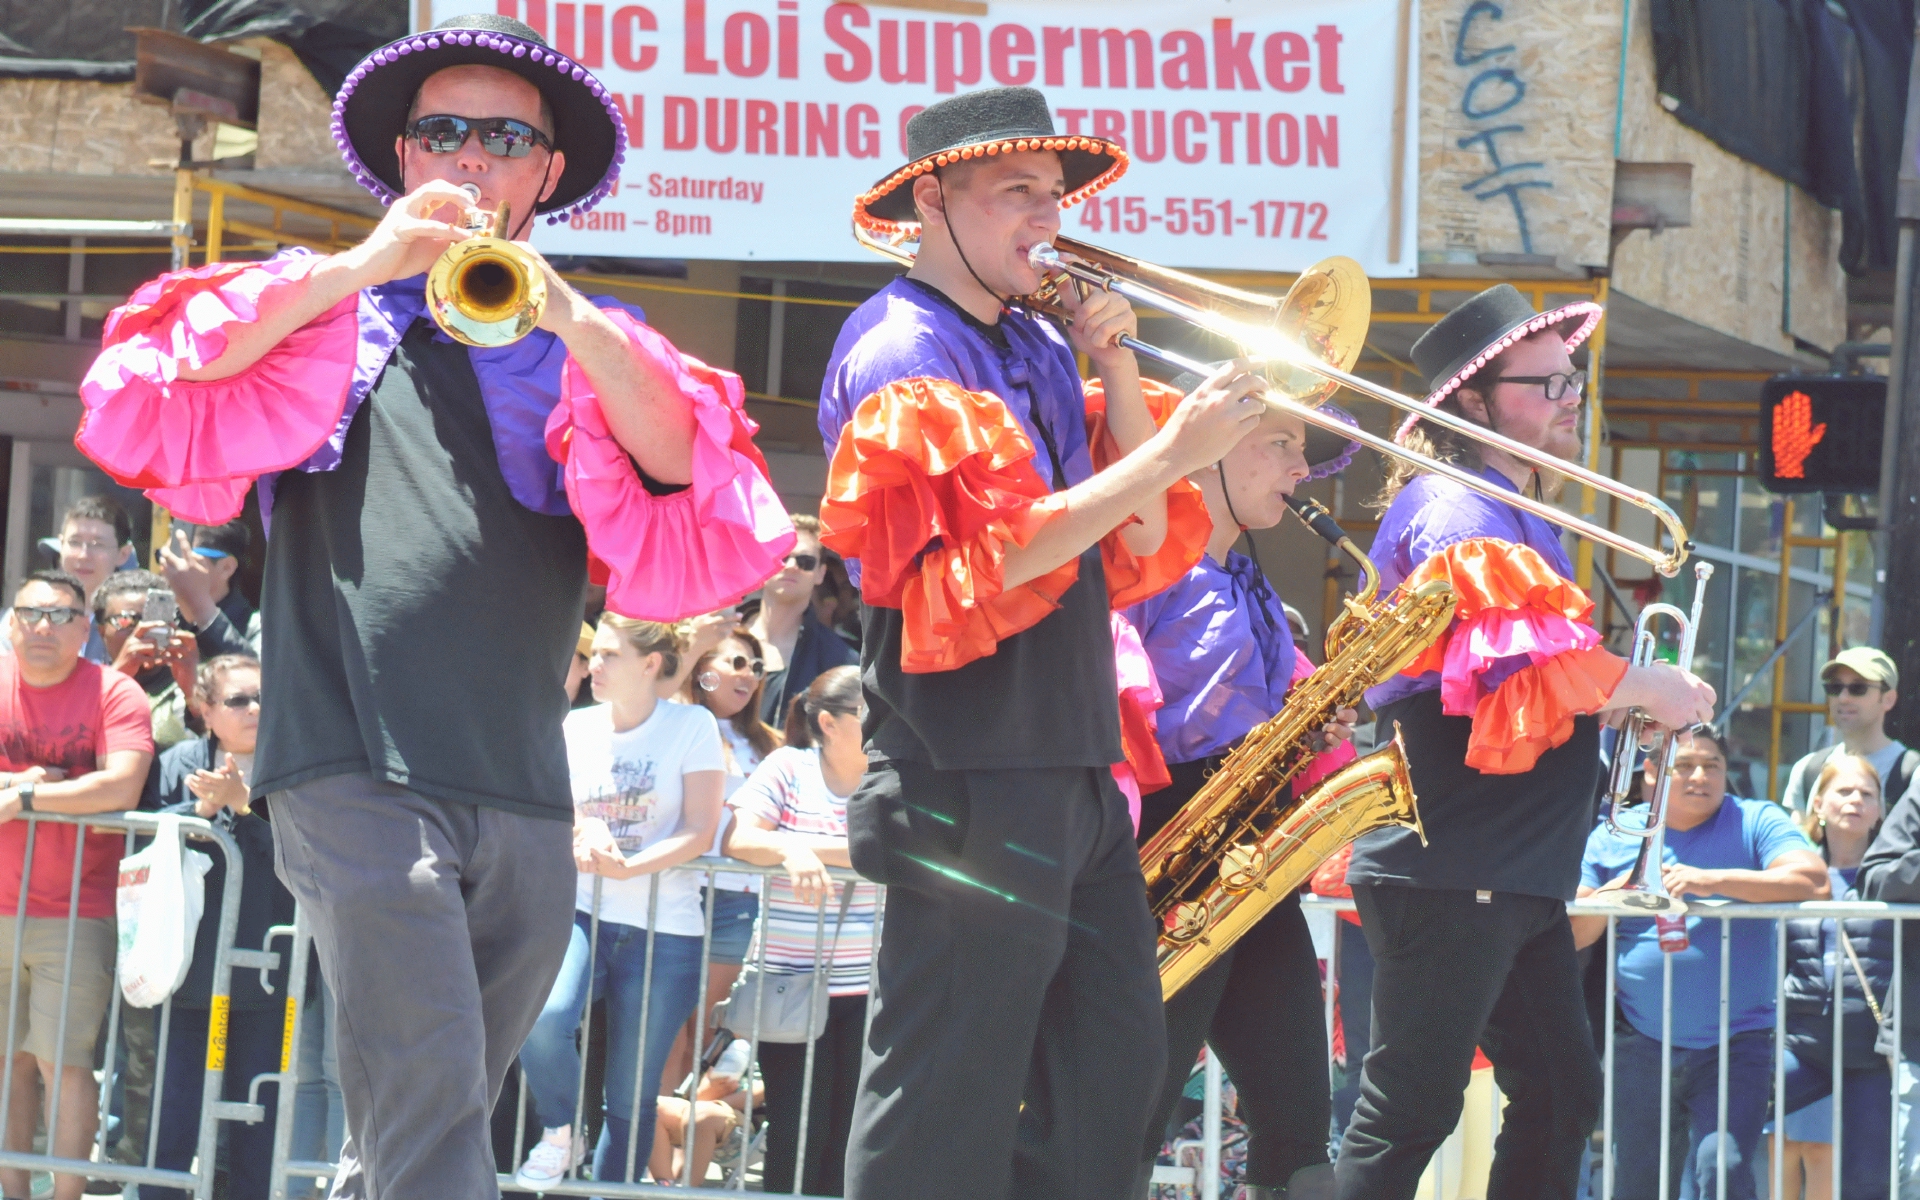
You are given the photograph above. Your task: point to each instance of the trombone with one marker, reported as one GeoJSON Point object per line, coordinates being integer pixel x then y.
{"type": "Point", "coordinates": [1302, 366]}
{"type": "Point", "coordinates": [1645, 891]}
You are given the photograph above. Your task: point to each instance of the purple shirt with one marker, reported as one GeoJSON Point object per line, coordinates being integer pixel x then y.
{"type": "Point", "coordinates": [519, 384]}
{"type": "Point", "coordinates": [1431, 514]}
{"type": "Point", "coordinates": [1223, 654]}
{"type": "Point", "coordinates": [920, 334]}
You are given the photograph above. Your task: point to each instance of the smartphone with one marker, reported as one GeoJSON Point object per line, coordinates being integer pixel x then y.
{"type": "Point", "coordinates": [160, 609]}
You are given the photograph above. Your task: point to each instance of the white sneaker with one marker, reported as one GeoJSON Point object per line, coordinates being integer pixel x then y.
{"type": "Point", "coordinates": [549, 1161]}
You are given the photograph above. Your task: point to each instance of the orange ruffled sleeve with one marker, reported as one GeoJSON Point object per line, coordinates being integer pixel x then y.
{"type": "Point", "coordinates": [929, 485]}
{"type": "Point", "coordinates": [1132, 577]}
{"type": "Point", "coordinates": [1521, 656]}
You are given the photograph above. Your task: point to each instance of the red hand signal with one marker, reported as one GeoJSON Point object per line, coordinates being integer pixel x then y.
{"type": "Point", "coordinates": [1794, 435]}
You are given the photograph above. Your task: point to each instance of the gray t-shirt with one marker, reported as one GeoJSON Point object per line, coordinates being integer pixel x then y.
{"type": "Point", "coordinates": [419, 620]}
{"type": "Point", "coordinates": [1806, 773]}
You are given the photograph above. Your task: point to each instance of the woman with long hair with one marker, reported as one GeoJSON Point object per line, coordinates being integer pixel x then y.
{"type": "Point", "coordinates": [793, 813]}
{"type": "Point", "coordinates": [727, 681]}
{"type": "Point", "coordinates": [1842, 816]}
{"type": "Point", "coordinates": [647, 794]}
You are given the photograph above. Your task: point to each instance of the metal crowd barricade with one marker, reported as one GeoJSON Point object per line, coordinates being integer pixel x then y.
{"type": "Point", "coordinates": [287, 1169]}
{"type": "Point", "coordinates": [198, 1179]}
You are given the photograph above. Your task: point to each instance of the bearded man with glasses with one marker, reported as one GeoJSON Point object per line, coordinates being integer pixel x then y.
{"type": "Point", "coordinates": [1862, 686]}
{"type": "Point", "coordinates": [799, 646]}
{"type": "Point", "coordinates": [425, 498]}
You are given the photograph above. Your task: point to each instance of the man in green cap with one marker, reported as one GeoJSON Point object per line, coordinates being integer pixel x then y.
{"type": "Point", "coordinates": [1862, 686]}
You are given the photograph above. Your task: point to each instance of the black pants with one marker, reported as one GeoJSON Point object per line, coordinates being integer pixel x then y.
{"type": "Point", "coordinates": [836, 1078]}
{"type": "Point", "coordinates": [1259, 1007]}
{"type": "Point", "coordinates": [1017, 965]}
{"type": "Point", "coordinates": [1451, 973]}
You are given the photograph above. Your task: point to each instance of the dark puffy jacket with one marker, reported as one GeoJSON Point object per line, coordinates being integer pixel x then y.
{"type": "Point", "coordinates": [1810, 990]}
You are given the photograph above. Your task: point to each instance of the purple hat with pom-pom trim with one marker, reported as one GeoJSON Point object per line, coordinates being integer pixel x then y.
{"type": "Point", "coordinates": [371, 110]}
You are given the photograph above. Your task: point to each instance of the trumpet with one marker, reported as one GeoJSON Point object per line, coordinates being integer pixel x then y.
{"type": "Point", "coordinates": [1306, 344]}
{"type": "Point", "coordinates": [1645, 891]}
{"type": "Point", "coordinates": [486, 291]}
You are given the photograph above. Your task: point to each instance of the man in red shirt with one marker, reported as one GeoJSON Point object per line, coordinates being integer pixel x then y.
{"type": "Point", "coordinates": [74, 738]}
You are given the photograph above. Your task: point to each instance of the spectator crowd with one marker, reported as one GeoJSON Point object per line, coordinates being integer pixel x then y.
{"type": "Point", "coordinates": [738, 735]}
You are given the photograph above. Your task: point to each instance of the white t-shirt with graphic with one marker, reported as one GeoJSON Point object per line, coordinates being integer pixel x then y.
{"type": "Point", "coordinates": [633, 782]}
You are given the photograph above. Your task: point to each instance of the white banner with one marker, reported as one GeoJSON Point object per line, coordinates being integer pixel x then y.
{"type": "Point", "coordinates": [1265, 134]}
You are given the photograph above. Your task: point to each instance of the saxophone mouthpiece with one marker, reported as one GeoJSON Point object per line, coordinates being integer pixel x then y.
{"type": "Point", "coordinates": [1316, 517]}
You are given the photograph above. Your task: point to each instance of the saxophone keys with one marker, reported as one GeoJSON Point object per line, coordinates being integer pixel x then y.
{"type": "Point", "coordinates": [1243, 868]}
{"type": "Point", "coordinates": [1186, 922]}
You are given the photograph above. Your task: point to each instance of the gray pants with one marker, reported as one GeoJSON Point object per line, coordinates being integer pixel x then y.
{"type": "Point", "coordinates": [440, 928]}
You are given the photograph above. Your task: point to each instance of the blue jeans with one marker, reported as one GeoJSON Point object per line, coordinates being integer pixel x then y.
{"type": "Point", "coordinates": [615, 969]}
{"type": "Point", "coordinates": [1865, 1111]}
{"type": "Point", "coordinates": [1696, 1074]}
{"type": "Point", "coordinates": [253, 1048]}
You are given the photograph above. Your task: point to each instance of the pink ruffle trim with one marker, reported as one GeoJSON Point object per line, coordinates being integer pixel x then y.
{"type": "Point", "coordinates": [691, 552]}
{"type": "Point", "coordinates": [202, 444]}
{"type": "Point", "coordinates": [1494, 634]}
{"type": "Point", "coordinates": [1140, 700]}
{"type": "Point", "coordinates": [1326, 763]}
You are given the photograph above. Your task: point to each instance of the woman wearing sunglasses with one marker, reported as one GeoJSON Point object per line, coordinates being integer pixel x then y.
{"type": "Point", "coordinates": [727, 680]}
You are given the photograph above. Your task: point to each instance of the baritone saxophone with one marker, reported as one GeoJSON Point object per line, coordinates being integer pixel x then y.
{"type": "Point", "coordinates": [1244, 842]}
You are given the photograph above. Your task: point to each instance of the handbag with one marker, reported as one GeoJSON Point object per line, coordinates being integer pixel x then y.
{"type": "Point", "coordinates": [789, 1008]}
{"type": "Point", "coordinates": [1885, 1042]}
{"type": "Point", "coordinates": [161, 892]}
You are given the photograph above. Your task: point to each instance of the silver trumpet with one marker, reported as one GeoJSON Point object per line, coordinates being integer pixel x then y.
{"type": "Point", "coordinates": [1645, 890]}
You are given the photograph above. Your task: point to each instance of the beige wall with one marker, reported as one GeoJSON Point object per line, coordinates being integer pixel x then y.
{"type": "Point", "coordinates": [1556, 84]}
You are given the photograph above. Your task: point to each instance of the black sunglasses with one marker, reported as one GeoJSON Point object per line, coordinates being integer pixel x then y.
{"type": "Point", "coordinates": [806, 562]}
{"type": "Point", "coordinates": [741, 662]}
{"type": "Point", "coordinates": [1557, 383]}
{"type": "Point", "coordinates": [502, 137]}
{"type": "Point", "coordinates": [242, 700]}
{"type": "Point", "coordinates": [1852, 689]}
{"type": "Point", "coordinates": [31, 616]}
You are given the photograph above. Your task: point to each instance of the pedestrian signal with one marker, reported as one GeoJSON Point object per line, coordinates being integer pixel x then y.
{"type": "Point", "coordinates": [1821, 433]}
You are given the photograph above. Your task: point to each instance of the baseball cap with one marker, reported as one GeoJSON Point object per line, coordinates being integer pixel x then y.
{"type": "Point", "coordinates": [1869, 664]}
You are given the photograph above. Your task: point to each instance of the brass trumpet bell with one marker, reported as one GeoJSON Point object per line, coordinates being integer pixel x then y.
{"type": "Point", "coordinates": [486, 291]}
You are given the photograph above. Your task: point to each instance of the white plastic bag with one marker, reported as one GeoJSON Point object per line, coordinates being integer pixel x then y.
{"type": "Point", "coordinates": [159, 900]}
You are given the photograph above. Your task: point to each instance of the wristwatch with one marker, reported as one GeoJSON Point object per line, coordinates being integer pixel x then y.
{"type": "Point", "coordinates": [26, 796]}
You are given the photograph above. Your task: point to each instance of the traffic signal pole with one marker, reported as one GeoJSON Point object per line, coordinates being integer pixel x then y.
{"type": "Point", "coordinates": [1896, 627]}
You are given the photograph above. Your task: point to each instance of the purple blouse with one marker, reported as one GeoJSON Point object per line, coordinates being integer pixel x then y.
{"type": "Point", "coordinates": [1222, 651]}
{"type": "Point", "coordinates": [1431, 514]}
{"type": "Point", "coordinates": [909, 330]}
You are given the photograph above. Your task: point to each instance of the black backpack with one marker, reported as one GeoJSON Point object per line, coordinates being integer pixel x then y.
{"type": "Point", "coordinates": [1896, 787]}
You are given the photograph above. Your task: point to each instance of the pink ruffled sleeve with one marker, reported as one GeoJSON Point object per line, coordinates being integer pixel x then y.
{"type": "Point", "coordinates": [1144, 769]}
{"type": "Point", "coordinates": [1324, 764]}
{"type": "Point", "coordinates": [1521, 658]}
{"type": "Point", "coordinates": [692, 551]}
{"type": "Point", "coordinates": [199, 446]}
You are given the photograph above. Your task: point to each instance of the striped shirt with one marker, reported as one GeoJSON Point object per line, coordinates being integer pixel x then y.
{"type": "Point", "coordinates": [787, 791]}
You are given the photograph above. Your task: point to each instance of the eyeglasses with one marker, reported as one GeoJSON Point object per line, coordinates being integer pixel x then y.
{"type": "Point", "coordinates": [241, 700]}
{"type": "Point", "coordinates": [1557, 383]}
{"type": "Point", "coordinates": [502, 137]}
{"type": "Point", "coordinates": [121, 620]}
{"type": "Point", "coordinates": [86, 546]}
{"type": "Point", "coordinates": [741, 662]}
{"type": "Point", "coordinates": [806, 562]}
{"type": "Point", "coordinates": [31, 616]}
{"type": "Point", "coordinates": [1856, 688]}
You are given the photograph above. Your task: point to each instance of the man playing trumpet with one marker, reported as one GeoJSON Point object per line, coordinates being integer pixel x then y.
{"type": "Point", "coordinates": [432, 511]}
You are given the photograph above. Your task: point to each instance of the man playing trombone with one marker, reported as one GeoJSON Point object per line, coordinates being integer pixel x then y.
{"type": "Point", "coordinates": [1501, 720]}
{"type": "Point", "coordinates": [1017, 1039]}
{"type": "Point", "coordinates": [432, 515]}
